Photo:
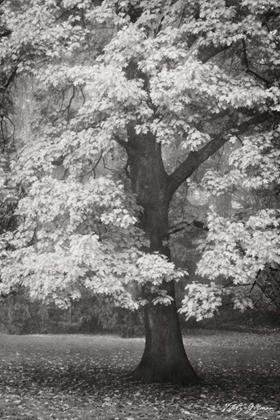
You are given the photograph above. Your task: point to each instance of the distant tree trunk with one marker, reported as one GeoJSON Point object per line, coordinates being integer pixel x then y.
{"type": "Point", "coordinates": [164, 358]}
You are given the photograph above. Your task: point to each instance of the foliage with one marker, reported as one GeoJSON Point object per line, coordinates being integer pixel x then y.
{"type": "Point", "coordinates": [104, 76]}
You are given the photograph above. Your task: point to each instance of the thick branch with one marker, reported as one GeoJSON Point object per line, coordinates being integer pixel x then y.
{"type": "Point", "coordinates": [11, 78]}
{"type": "Point", "coordinates": [209, 52]}
{"type": "Point", "coordinates": [178, 227]}
{"type": "Point", "coordinates": [246, 61]}
{"type": "Point", "coordinates": [121, 142]}
{"type": "Point", "coordinates": [195, 159]}
{"type": "Point", "coordinates": [258, 76]}
{"type": "Point", "coordinates": [68, 107]}
{"type": "Point", "coordinates": [126, 169]}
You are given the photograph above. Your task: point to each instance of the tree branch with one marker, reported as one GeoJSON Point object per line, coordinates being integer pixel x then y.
{"type": "Point", "coordinates": [195, 159]}
{"type": "Point", "coordinates": [209, 52]}
{"type": "Point", "coordinates": [126, 169]}
{"type": "Point", "coordinates": [121, 142]}
{"type": "Point", "coordinates": [183, 224]}
{"type": "Point", "coordinates": [68, 107]}
{"type": "Point", "coordinates": [246, 61]}
{"type": "Point", "coordinates": [258, 76]}
{"type": "Point", "coordinates": [11, 78]}
{"type": "Point", "coordinates": [248, 70]}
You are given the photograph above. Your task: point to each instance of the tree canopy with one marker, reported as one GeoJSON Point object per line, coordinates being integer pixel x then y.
{"type": "Point", "coordinates": [117, 105]}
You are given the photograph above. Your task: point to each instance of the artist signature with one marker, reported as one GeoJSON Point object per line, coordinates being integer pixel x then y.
{"type": "Point", "coordinates": [244, 408]}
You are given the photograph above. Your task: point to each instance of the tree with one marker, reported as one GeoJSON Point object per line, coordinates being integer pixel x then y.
{"type": "Point", "coordinates": [128, 100]}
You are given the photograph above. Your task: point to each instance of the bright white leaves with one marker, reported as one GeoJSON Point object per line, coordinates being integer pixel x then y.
{"type": "Point", "coordinates": [80, 4]}
{"type": "Point", "coordinates": [78, 202]}
{"type": "Point", "coordinates": [111, 92]}
{"type": "Point", "coordinates": [258, 160]}
{"type": "Point", "coordinates": [104, 83]}
{"type": "Point", "coordinates": [163, 298]}
{"type": "Point", "coordinates": [260, 6]}
{"type": "Point", "coordinates": [125, 46]}
{"type": "Point", "coordinates": [37, 28]}
{"type": "Point", "coordinates": [176, 81]}
{"type": "Point", "coordinates": [82, 230]}
{"type": "Point", "coordinates": [60, 221]}
{"type": "Point", "coordinates": [176, 78]}
{"type": "Point", "coordinates": [218, 184]}
{"type": "Point", "coordinates": [202, 301]}
{"type": "Point", "coordinates": [75, 235]}
{"type": "Point", "coordinates": [241, 299]}
{"type": "Point", "coordinates": [195, 139]}
{"type": "Point", "coordinates": [237, 251]}
{"type": "Point", "coordinates": [254, 165]}
{"type": "Point", "coordinates": [153, 268]}
{"type": "Point", "coordinates": [208, 86]}
{"type": "Point", "coordinates": [220, 24]}
{"type": "Point", "coordinates": [111, 102]}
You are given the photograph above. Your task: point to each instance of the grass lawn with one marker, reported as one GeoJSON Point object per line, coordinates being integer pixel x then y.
{"type": "Point", "coordinates": [83, 377]}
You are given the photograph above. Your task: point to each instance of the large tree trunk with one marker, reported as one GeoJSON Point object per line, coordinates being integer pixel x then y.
{"type": "Point", "coordinates": [164, 358]}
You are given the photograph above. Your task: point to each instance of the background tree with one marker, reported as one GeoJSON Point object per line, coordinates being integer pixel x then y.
{"type": "Point", "coordinates": [128, 100]}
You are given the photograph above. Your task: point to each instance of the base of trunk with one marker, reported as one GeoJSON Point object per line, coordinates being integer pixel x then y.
{"type": "Point", "coordinates": [164, 359]}
{"type": "Point", "coordinates": [177, 373]}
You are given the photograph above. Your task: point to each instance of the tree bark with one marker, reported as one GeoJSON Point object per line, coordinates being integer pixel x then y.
{"type": "Point", "coordinates": [164, 359]}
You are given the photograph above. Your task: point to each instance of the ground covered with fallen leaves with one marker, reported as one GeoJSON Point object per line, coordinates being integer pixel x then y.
{"type": "Point", "coordinates": [83, 377]}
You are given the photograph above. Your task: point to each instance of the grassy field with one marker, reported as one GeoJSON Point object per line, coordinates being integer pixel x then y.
{"type": "Point", "coordinates": [83, 377]}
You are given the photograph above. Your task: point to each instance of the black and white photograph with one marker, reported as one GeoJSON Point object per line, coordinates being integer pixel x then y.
{"type": "Point", "coordinates": [140, 209]}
